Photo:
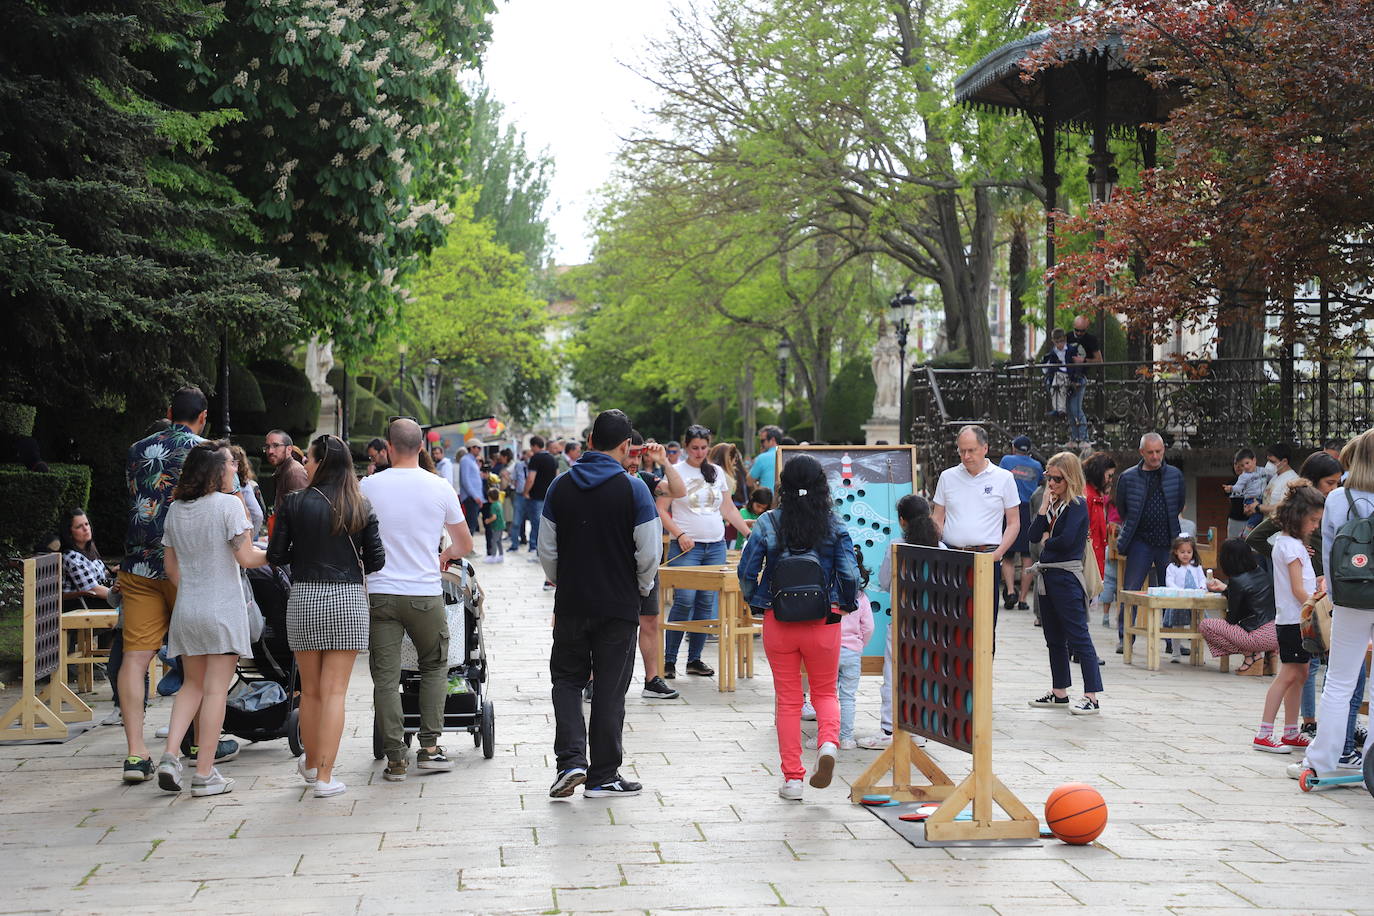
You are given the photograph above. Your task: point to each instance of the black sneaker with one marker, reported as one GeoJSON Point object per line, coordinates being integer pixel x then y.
{"type": "Point", "coordinates": [432, 760]}
{"type": "Point", "coordinates": [138, 769]}
{"type": "Point", "coordinates": [1310, 730]}
{"type": "Point", "coordinates": [1050, 701]}
{"type": "Point", "coordinates": [658, 689]}
{"type": "Point", "coordinates": [1085, 707]}
{"type": "Point", "coordinates": [226, 750]}
{"type": "Point", "coordinates": [669, 670]}
{"type": "Point", "coordinates": [395, 771]}
{"type": "Point", "coordinates": [1008, 600]}
{"type": "Point", "coordinates": [1022, 606]}
{"type": "Point", "coordinates": [700, 668]}
{"type": "Point", "coordinates": [567, 782]}
{"type": "Point", "coordinates": [614, 789]}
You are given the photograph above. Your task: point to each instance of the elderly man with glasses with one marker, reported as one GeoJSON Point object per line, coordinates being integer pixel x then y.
{"type": "Point", "coordinates": [289, 473]}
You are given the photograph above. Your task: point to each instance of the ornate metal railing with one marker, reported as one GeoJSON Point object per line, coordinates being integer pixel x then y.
{"type": "Point", "coordinates": [1196, 404]}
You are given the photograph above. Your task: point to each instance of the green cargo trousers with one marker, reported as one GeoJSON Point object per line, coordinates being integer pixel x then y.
{"type": "Point", "coordinates": [424, 619]}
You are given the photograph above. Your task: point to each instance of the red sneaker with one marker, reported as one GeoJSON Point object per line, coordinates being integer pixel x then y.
{"type": "Point", "coordinates": [1298, 740]}
{"type": "Point", "coordinates": [1271, 745]}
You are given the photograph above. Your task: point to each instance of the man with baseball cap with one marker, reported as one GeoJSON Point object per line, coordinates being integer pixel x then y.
{"type": "Point", "coordinates": [1027, 473]}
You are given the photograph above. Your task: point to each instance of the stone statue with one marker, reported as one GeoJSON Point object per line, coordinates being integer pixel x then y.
{"type": "Point", "coordinates": [319, 359]}
{"type": "Point", "coordinates": [887, 373]}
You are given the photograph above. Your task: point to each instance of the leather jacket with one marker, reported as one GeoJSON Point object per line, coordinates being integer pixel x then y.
{"type": "Point", "coordinates": [301, 537]}
{"type": "Point", "coordinates": [1250, 600]}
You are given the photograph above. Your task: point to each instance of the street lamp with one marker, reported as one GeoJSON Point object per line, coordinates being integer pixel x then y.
{"type": "Point", "coordinates": [784, 351]}
{"type": "Point", "coordinates": [432, 370]}
{"type": "Point", "coordinates": [903, 307]}
{"type": "Point", "coordinates": [1102, 178]}
{"type": "Point", "coordinates": [401, 348]}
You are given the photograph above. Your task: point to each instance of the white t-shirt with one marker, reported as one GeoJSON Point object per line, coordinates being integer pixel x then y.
{"type": "Point", "coordinates": [698, 513]}
{"type": "Point", "coordinates": [975, 506]}
{"type": "Point", "coordinates": [1286, 550]}
{"type": "Point", "coordinates": [412, 507]}
{"type": "Point", "coordinates": [1279, 487]}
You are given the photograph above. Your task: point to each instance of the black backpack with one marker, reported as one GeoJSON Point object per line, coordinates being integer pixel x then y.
{"type": "Point", "coordinates": [800, 590]}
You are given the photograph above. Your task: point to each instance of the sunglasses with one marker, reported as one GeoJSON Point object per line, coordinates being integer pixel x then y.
{"type": "Point", "coordinates": [637, 450]}
{"type": "Point", "coordinates": [1055, 478]}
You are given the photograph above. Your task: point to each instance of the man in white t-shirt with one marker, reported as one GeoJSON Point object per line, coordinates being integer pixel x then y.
{"type": "Point", "coordinates": [1279, 459]}
{"type": "Point", "coordinates": [976, 503]}
{"type": "Point", "coordinates": [406, 597]}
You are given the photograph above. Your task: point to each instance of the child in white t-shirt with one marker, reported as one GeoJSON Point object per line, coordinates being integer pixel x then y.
{"type": "Point", "coordinates": [1295, 583]}
{"type": "Point", "coordinates": [1183, 572]}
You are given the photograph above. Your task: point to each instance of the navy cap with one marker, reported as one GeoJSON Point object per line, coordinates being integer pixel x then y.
{"type": "Point", "coordinates": [1021, 443]}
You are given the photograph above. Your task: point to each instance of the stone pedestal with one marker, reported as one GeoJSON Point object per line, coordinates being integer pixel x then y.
{"type": "Point", "coordinates": [882, 429]}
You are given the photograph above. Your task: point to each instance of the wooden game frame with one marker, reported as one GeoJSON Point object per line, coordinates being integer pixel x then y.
{"type": "Point", "coordinates": [869, 664]}
{"type": "Point", "coordinates": [981, 786]}
{"type": "Point", "coordinates": [34, 715]}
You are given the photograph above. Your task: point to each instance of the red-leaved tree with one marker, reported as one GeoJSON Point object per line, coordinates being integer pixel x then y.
{"type": "Point", "coordinates": [1267, 174]}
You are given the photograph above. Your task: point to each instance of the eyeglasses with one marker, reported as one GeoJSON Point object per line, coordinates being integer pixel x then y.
{"type": "Point", "coordinates": [1055, 478]}
{"type": "Point", "coordinates": [271, 445]}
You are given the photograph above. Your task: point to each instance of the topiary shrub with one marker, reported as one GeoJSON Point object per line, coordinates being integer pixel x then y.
{"type": "Point", "coordinates": [849, 403]}
{"type": "Point", "coordinates": [33, 503]}
{"type": "Point", "coordinates": [289, 400]}
{"type": "Point", "coordinates": [17, 419]}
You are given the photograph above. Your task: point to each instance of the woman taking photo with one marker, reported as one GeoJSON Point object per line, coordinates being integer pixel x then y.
{"type": "Point", "coordinates": [328, 534]}
{"type": "Point", "coordinates": [1248, 629]}
{"type": "Point", "coordinates": [207, 540]}
{"type": "Point", "coordinates": [803, 528]}
{"type": "Point", "coordinates": [697, 525]}
{"type": "Point", "coordinates": [1062, 526]}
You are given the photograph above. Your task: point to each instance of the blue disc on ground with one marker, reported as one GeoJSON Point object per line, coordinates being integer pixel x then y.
{"type": "Point", "coordinates": [876, 799]}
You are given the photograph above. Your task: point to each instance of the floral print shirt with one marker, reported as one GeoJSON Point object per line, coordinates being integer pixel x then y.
{"type": "Point", "coordinates": [153, 469]}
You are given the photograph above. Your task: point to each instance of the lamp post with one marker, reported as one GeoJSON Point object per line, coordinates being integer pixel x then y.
{"type": "Point", "coordinates": [1102, 178]}
{"type": "Point", "coordinates": [784, 351]}
{"type": "Point", "coordinates": [903, 307]}
{"type": "Point", "coordinates": [401, 348]}
{"type": "Point", "coordinates": [432, 370]}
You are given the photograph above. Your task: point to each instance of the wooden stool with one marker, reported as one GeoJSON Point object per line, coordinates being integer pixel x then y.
{"type": "Point", "coordinates": [85, 623]}
{"type": "Point", "coordinates": [729, 615]}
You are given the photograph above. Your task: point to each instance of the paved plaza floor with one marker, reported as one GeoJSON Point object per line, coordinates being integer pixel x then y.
{"type": "Point", "coordinates": [1199, 822]}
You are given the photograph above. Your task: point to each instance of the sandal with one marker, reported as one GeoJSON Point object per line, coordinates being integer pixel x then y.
{"type": "Point", "coordinates": [1250, 662]}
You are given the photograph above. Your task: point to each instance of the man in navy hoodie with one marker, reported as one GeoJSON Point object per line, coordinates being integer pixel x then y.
{"type": "Point", "coordinates": [600, 540]}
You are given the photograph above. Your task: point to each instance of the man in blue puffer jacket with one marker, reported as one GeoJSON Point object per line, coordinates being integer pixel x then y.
{"type": "Point", "coordinates": [1150, 497]}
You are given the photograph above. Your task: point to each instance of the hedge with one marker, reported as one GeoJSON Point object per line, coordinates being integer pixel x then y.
{"type": "Point", "coordinates": [33, 504]}
{"type": "Point", "coordinates": [17, 419]}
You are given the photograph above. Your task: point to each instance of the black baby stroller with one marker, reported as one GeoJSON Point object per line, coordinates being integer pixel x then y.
{"type": "Point", "coordinates": [466, 707]}
{"type": "Point", "coordinates": [264, 699]}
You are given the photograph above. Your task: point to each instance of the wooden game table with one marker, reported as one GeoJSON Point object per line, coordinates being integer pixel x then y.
{"type": "Point", "coordinates": [1147, 623]}
{"type": "Point", "coordinates": [733, 625]}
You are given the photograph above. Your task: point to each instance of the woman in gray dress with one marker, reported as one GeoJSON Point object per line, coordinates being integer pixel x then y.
{"type": "Point", "coordinates": [328, 533]}
{"type": "Point", "coordinates": [207, 539]}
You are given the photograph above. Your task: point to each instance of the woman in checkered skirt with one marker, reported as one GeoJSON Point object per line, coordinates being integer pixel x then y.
{"type": "Point", "coordinates": [328, 534]}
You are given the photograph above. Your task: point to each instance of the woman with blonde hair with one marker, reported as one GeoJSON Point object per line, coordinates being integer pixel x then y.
{"type": "Point", "coordinates": [328, 534]}
{"type": "Point", "coordinates": [726, 456]}
{"type": "Point", "coordinates": [1062, 527]}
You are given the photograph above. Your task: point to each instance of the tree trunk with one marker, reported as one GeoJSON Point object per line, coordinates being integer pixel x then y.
{"type": "Point", "coordinates": [747, 408]}
{"type": "Point", "coordinates": [1018, 262]}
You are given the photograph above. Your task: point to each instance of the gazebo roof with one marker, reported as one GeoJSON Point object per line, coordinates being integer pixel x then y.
{"type": "Point", "coordinates": [995, 83]}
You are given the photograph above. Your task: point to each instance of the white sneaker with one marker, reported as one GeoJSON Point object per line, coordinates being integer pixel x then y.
{"type": "Point", "coordinates": [808, 711]}
{"type": "Point", "coordinates": [161, 731]}
{"type": "Point", "coordinates": [811, 743]}
{"type": "Point", "coordinates": [876, 742]}
{"type": "Point", "coordinates": [848, 744]}
{"type": "Point", "coordinates": [825, 766]}
{"type": "Point", "coordinates": [791, 789]}
{"type": "Point", "coordinates": [1294, 770]}
{"type": "Point", "coordinates": [214, 784]}
{"type": "Point", "coordinates": [330, 789]}
{"type": "Point", "coordinates": [307, 773]}
{"type": "Point", "coordinates": [490, 559]}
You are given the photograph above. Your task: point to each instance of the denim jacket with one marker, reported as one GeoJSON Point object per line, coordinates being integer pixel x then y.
{"type": "Point", "coordinates": [764, 548]}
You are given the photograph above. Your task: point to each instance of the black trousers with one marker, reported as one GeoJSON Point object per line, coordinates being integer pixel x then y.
{"type": "Point", "coordinates": [585, 648]}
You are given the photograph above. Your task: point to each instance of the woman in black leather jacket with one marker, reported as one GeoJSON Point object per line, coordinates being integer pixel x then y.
{"type": "Point", "coordinates": [1249, 625]}
{"type": "Point", "coordinates": [328, 534]}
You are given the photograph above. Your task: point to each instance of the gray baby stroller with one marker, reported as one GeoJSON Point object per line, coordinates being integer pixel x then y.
{"type": "Point", "coordinates": [466, 708]}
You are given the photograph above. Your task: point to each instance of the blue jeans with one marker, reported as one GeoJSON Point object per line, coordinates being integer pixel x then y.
{"type": "Point", "coordinates": [851, 666]}
{"type": "Point", "coordinates": [690, 604]}
{"type": "Point", "coordinates": [1356, 699]}
{"type": "Point", "coordinates": [1078, 421]}
{"type": "Point", "coordinates": [1309, 690]}
{"type": "Point", "coordinates": [534, 508]}
{"type": "Point", "coordinates": [517, 528]}
{"type": "Point", "coordinates": [1064, 623]}
{"type": "Point", "coordinates": [1140, 559]}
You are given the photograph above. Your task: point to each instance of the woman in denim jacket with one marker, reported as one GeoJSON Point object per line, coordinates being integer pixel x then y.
{"type": "Point", "coordinates": [803, 521]}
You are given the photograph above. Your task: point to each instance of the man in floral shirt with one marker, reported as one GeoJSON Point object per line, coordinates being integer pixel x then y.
{"type": "Point", "coordinates": [154, 466]}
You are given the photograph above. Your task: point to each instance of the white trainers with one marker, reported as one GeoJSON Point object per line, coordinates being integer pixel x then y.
{"type": "Point", "coordinates": [330, 789]}
{"type": "Point", "coordinates": [848, 744]}
{"type": "Point", "coordinates": [825, 766]}
{"type": "Point", "coordinates": [808, 711]}
{"type": "Point", "coordinates": [876, 742]}
{"type": "Point", "coordinates": [161, 731]}
{"type": "Point", "coordinates": [169, 773]}
{"type": "Point", "coordinates": [1294, 770]}
{"type": "Point", "coordinates": [307, 773]}
{"type": "Point", "coordinates": [791, 789]}
{"type": "Point", "coordinates": [214, 784]}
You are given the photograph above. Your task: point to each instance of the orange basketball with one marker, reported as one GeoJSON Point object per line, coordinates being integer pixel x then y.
{"type": "Point", "coordinates": [1076, 813]}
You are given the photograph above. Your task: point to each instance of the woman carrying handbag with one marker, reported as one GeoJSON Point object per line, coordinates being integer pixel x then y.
{"type": "Point", "coordinates": [328, 534]}
{"type": "Point", "coordinates": [798, 571]}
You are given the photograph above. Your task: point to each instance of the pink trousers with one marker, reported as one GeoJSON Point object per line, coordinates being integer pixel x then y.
{"type": "Point", "coordinates": [1224, 638]}
{"type": "Point", "coordinates": [788, 646]}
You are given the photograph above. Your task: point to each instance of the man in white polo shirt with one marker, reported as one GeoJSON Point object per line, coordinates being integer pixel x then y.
{"type": "Point", "coordinates": [976, 502]}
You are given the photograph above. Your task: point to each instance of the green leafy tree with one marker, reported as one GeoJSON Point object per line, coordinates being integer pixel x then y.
{"type": "Point", "coordinates": [122, 256]}
{"type": "Point", "coordinates": [513, 186]}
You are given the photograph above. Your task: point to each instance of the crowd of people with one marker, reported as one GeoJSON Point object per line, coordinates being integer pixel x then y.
{"type": "Point", "coordinates": [366, 556]}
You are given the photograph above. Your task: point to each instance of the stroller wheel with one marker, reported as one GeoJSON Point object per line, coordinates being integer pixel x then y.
{"type": "Point", "coordinates": [293, 732]}
{"type": "Point", "coordinates": [488, 730]}
{"type": "Point", "coordinates": [378, 752]}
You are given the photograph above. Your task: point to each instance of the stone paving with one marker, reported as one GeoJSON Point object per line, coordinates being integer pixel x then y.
{"type": "Point", "coordinates": [1199, 823]}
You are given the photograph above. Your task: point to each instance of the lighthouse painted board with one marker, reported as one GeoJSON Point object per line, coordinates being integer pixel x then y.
{"type": "Point", "coordinates": [865, 482]}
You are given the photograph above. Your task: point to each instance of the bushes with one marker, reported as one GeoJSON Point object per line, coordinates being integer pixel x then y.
{"type": "Point", "coordinates": [34, 503]}
{"type": "Point", "coordinates": [289, 401]}
{"type": "Point", "coordinates": [17, 419]}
